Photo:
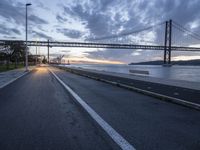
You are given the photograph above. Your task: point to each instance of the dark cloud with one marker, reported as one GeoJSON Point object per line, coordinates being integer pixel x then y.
{"type": "Point", "coordinates": [125, 55]}
{"type": "Point", "coordinates": [9, 31]}
{"type": "Point", "coordinates": [10, 11]}
{"type": "Point", "coordinates": [97, 23]}
{"type": "Point", "coordinates": [61, 19]}
{"type": "Point", "coordinates": [105, 17]}
{"type": "Point", "coordinates": [16, 31]}
{"type": "Point", "coordinates": [41, 35]}
{"type": "Point", "coordinates": [70, 33]}
{"type": "Point", "coordinates": [16, 11]}
{"type": "Point", "coordinates": [36, 20]}
{"type": "Point", "coordinates": [109, 53]}
{"type": "Point", "coordinates": [112, 54]}
{"type": "Point", "coordinates": [4, 30]}
{"type": "Point", "coordinates": [9, 37]}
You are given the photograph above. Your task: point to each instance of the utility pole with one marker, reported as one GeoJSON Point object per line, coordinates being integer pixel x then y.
{"type": "Point", "coordinates": [48, 53]}
{"type": "Point", "coordinates": [36, 56]}
{"type": "Point", "coordinates": [27, 4]}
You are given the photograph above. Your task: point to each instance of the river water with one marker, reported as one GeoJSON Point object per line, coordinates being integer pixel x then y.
{"type": "Point", "coordinates": [186, 73]}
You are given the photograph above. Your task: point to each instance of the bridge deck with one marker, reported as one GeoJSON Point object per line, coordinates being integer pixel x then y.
{"type": "Point", "coordinates": [98, 45]}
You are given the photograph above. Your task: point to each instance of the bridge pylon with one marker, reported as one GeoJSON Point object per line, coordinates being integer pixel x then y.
{"type": "Point", "coordinates": [167, 44]}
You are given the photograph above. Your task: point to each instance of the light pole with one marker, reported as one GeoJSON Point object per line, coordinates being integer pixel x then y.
{"type": "Point", "coordinates": [27, 4]}
{"type": "Point", "coordinates": [36, 54]}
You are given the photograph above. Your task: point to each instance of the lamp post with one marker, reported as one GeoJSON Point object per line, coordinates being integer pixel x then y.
{"type": "Point", "coordinates": [36, 53]}
{"type": "Point", "coordinates": [27, 4]}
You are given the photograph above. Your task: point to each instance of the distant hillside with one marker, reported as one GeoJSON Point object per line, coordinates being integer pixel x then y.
{"type": "Point", "coordinates": [195, 62]}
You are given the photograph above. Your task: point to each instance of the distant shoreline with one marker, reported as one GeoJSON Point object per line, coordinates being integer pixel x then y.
{"type": "Point", "coordinates": [195, 62]}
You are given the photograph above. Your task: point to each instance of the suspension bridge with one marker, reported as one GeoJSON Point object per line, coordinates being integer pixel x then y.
{"type": "Point", "coordinates": [60, 107]}
{"type": "Point", "coordinates": [166, 36]}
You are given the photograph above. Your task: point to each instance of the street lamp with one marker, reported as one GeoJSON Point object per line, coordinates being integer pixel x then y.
{"type": "Point", "coordinates": [27, 4]}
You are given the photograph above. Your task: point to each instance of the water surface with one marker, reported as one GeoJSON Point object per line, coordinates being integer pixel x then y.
{"type": "Point", "coordinates": [187, 73]}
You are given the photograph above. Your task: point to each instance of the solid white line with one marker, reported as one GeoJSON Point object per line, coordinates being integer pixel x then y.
{"type": "Point", "coordinates": [9, 82]}
{"type": "Point", "coordinates": [125, 145]}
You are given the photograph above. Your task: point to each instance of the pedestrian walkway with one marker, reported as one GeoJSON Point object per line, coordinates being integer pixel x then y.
{"type": "Point", "coordinates": [170, 82]}
{"type": "Point", "coordinates": [189, 92]}
{"type": "Point", "coordinates": [9, 76]}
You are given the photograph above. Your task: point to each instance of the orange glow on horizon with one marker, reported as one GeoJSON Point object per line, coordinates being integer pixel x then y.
{"type": "Point", "coordinates": [177, 58]}
{"type": "Point", "coordinates": [80, 60]}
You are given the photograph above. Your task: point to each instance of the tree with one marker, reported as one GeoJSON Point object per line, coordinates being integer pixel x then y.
{"type": "Point", "coordinates": [44, 61]}
{"type": "Point", "coordinates": [18, 52]}
{"type": "Point", "coordinates": [14, 52]}
{"type": "Point", "coordinates": [59, 58]}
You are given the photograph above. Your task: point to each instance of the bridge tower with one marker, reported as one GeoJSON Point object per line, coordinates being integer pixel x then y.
{"type": "Point", "coordinates": [167, 44]}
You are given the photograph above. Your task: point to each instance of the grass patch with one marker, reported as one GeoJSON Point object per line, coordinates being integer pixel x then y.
{"type": "Point", "coordinates": [11, 67]}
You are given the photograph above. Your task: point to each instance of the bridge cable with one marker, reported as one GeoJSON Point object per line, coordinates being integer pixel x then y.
{"type": "Point", "coordinates": [126, 33]}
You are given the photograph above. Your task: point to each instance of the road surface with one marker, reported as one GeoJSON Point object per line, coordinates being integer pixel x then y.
{"type": "Point", "coordinates": [36, 112]}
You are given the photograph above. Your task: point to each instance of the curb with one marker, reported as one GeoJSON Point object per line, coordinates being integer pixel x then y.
{"type": "Point", "coordinates": [145, 92]}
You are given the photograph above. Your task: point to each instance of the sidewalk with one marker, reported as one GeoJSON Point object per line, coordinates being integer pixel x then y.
{"type": "Point", "coordinates": [10, 76]}
{"type": "Point", "coordinates": [177, 83]}
{"type": "Point", "coordinates": [176, 91]}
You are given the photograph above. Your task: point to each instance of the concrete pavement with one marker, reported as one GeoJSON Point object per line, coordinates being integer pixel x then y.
{"type": "Point", "coordinates": [9, 76]}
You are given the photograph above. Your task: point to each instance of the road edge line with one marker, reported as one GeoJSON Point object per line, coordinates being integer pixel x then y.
{"type": "Point", "coordinates": [116, 137]}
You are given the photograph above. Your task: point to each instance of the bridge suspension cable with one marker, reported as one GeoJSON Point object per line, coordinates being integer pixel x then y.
{"type": "Point", "coordinates": [183, 29]}
{"type": "Point", "coordinates": [183, 36]}
{"type": "Point", "coordinates": [127, 33]}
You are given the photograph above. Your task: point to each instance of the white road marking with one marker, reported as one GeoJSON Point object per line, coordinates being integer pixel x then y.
{"type": "Point", "coordinates": [125, 145]}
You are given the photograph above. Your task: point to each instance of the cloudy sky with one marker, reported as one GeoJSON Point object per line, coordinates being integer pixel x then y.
{"type": "Point", "coordinates": [79, 20]}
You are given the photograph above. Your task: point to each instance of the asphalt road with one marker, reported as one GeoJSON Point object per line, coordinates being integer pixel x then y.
{"type": "Point", "coordinates": [145, 122]}
{"type": "Point", "coordinates": [36, 113]}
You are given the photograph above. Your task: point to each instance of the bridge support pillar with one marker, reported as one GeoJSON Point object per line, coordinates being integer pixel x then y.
{"type": "Point", "coordinates": [168, 38]}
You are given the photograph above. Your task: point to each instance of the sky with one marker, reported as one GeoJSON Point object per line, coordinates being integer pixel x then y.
{"type": "Point", "coordinates": [79, 20]}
